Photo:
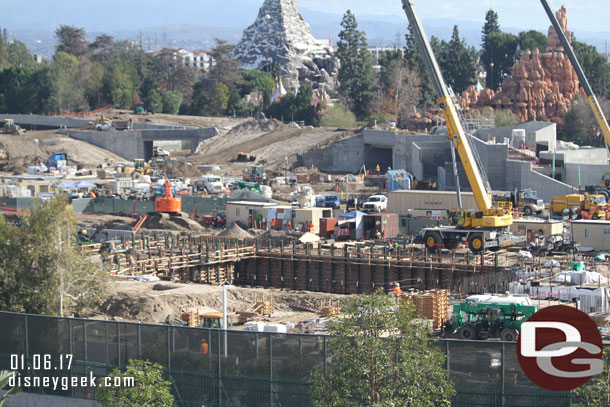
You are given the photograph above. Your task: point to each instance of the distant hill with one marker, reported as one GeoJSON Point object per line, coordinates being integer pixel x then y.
{"type": "Point", "coordinates": [205, 20]}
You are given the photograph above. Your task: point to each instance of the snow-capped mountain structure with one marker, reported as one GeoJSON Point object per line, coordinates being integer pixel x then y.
{"type": "Point", "coordinates": [281, 37]}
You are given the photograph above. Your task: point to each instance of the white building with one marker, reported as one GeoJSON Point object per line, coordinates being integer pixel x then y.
{"type": "Point", "coordinates": [198, 59]}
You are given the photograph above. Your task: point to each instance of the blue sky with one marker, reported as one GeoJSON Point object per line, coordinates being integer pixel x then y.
{"type": "Point", "coordinates": [589, 15]}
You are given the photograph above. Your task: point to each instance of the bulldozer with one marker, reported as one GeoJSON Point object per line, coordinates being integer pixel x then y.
{"type": "Point", "coordinates": [140, 167]}
{"type": "Point", "coordinates": [245, 157]}
{"type": "Point", "coordinates": [9, 127]}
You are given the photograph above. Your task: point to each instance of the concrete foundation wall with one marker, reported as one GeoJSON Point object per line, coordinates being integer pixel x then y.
{"type": "Point", "coordinates": [133, 144]}
{"type": "Point", "coordinates": [520, 175]}
{"type": "Point", "coordinates": [536, 133]}
{"type": "Point", "coordinates": [590, 174]}
{"type": "Point", "coordinates": [585, 155]}
{"type": "Point", "coordinates": [343, 156]}
{"type": "Point", "coordinates": [34, 121]}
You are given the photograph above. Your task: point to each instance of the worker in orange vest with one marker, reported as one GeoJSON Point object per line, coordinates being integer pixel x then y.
{"type": "Point", "coordinates": [397, 291]}
{"type": "Point", "coordinates": [203, 348]}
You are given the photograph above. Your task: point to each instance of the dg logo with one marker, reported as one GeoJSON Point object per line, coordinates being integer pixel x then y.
{"type": "Point", "coordinates": [560, 348]}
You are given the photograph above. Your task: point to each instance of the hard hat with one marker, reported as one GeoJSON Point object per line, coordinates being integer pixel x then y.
{"type": "Point", "coordinates": [397, 284]}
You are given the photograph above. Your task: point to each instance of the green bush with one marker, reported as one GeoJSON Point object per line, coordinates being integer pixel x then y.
{"type": "Point", "coordinates": [338, 116]}
{"type": "Point", "coordinates": [505, 118]}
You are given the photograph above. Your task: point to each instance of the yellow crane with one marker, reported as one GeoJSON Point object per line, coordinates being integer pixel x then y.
{"type": "Point", "coordinates": [604, 187]}
{"type": "Point", "coordinates": [487, 227]}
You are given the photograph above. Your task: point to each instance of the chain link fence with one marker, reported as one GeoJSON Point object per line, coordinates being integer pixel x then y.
{"type": "Point", "coordinates": [244, 368]}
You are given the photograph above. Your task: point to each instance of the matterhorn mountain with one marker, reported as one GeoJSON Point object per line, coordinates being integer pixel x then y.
{"type": "Point", "coordinates": [280, 37]}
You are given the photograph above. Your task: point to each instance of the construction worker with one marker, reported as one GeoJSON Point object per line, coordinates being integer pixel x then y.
{"type": "Point", "coordinates": [397, 291]}
{"type": "Point", "coordinates": [203, 348]}
{"type": "Point", "coordinates": [377, 168]}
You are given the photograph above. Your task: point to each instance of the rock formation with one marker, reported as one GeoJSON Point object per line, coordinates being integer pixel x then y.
{"type": "Point", "coordinates": [281, 37]}
{"type": "Point", "coordinates": [541, 84]}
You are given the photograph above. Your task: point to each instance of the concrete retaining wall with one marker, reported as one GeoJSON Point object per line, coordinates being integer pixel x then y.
{"type": "Point", "coordinates": [35, 121]}
{"type": "Point", "coordinates": [590, 174]}
{"type": "Point", "coordinates": [134, 144]}
{"type": "Point", "coordinates": [344, 156]}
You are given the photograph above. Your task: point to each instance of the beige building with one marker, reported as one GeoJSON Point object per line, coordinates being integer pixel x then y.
{"type": "Point", "coordinates": [402, 202]}
{"type": "Point", "coordinates": [534, 227]}
{"type": "Point", "coordinates": [592, 233]}
{"type": "Point", "coordinates": [247, 211]}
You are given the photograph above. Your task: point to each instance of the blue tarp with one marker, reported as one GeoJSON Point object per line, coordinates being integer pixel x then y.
{"type": "Point", "coordinates": [84, 184]}
{"type": "Point", "coordinates": [66, 185]}
{"type": "Point", "coordinates": [352, 215]}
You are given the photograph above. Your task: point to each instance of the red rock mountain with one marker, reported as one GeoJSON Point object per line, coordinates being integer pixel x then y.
{"type": "Point", "coordinates": [540, 84]}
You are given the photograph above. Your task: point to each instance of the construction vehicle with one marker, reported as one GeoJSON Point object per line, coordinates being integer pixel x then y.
{"type": "Point", "coordinates": [204, 320]}
{"type": "Point", "coordinates": [168, 203]}
{"type": "Point", "coordinates": [57, 160]}
{"type": "Point", "coordinates": [9, 127]}
{"type": "Point", "coordinates": [140, 109]}
{"type": "Point", "coordinates": [245, 157]}
{"type": "Point", "coordinates": [604, 186]}
{"type": "Point", "coordinates": [255, 173]}
{"type": "Point", "coordinates": [112, 247]}
{"type": "Point", "coordinates": [494, 317]}
{"type": "Point", "coordinates": [249, 186]}
{"type": "Point", "coordinates": [101, 123]}
{"type": "Point", "coordinates": [579, 206]}
{"type": "Point", "coordinates": [3, 155]}
{"type": "Point", "coordinates": [557, 243]}
{"type": "Point", "coordinates": [525, 201]}
{"type": "Point", "coordinates": [160, 152]}
{"type": "Point", "coordinates": [140, 167]}
{"type": "Point", "coordinates": [487, 227]}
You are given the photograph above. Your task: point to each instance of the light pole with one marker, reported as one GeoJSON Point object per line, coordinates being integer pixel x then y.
{"type": "Point", "coordinates": [491, 65]}
{"type": "Point", "coordinates": [35, 150]}
{"type": "Point", "coordinates": [224, 312]}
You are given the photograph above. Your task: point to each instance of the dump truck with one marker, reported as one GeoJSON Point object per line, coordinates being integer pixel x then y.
{"type": "Point", "coordinates": [580, 206]}
{"type": "Point", "coordinates": [525, 201]}
{"type": "Point", "coordinates": [255, 173]}
{"type": "Point", "coordinates": [491, 316]}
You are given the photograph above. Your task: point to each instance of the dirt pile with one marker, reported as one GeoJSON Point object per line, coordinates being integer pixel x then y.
{"type": "Point", "coordinates": [180, 222]}
{"type": "Point", "coordinates": [139, 301]}
{"type": "Point", "coordinates": [234, 231]}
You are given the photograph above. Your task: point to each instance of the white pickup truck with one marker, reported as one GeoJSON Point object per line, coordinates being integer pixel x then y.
{"type": "Point", "coordinates": [375, 203]}
{"type": "Point", "coordinates": [213, 184]}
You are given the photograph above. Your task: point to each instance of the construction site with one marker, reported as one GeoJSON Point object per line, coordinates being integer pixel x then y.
{"type": "Point", "coordinates": [250, 234]}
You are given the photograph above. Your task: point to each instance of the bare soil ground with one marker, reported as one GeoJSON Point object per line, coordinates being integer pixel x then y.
{"type": "Point", "coordinates": [268, 140]}
{"type": "Point", "coordinates": [153, 301]}
{"type": "Point", "coordinates": [20, 150]}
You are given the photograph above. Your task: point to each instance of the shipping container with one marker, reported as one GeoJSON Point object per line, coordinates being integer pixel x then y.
{"type": "Point", "coordinates": [385, 223]}
{"type": "Point", "coordinates": [401, 202]}
{"type": "Point", "coordinates": [327, 227]}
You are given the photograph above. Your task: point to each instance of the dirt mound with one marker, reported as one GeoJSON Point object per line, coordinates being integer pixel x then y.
{"type": "Point", "coordinates": [234, 231]}
{"type": "Point", "coordinates": [181, 222]}
{"type": "Point", "coordinates": [254, 125]}
{"type": "Point", "coordinates": [139, 301]}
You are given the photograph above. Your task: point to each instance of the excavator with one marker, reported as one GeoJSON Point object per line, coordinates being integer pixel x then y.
{"type": "Point", "coordinates": [604, 187]}
{"type": "Point", "coordinates": [487, 227]}
{"type": "Point", "coordinates": [167, 203]}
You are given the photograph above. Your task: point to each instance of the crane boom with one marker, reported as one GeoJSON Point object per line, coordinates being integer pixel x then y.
{"type": "Point", "coordinates": [456, 132]}
{"type": "Point", "coordinates": [584, 82]}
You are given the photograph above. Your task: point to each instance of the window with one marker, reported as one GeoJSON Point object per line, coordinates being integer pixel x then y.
{"type": "Point", "coordinates": [587, 233]}
{"type": "Point", "coordinates": [403, 223]}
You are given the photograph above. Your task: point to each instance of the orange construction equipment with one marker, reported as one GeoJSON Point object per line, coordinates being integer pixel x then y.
{"type": "Point", "coordinates": [168, 203]}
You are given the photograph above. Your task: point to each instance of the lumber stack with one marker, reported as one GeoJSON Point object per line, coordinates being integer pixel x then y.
{"type": "Point", "coordinates": [431, 304]}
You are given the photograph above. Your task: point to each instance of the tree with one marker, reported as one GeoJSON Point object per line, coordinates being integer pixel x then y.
{"type": "Point", "coordinates": [294, 107]}
{"type": "Point", "coordinates": [597, 391]}
{"type": "Point", "coordinates": [220, 97]}
{"type": "Point", "coordinates": [19, 55]}
{"type": "Point", "coordinates": [40, 268]}
{"type": "Point", "coordinates": [501, 50]}
{"type": "Point", "coordinates": [71, 40]}
{"type": "Point", "coordinates": [338, 116]}
{"type": "Point", "coordinates": [531, 40]}
{"type": "Point", "coordinates": [224, 67]}
{"type": "Point", "coordinates": [401, 91]}
{"type": "Point", "coordinates": [65, 91]}
{"type": "Point", "coordinates": [153, 101]}
{"type": "Point", "coordinates": [580, 125]}
{"type": "Point", "coordinates": [103, 49]}
{"type": "Point", "coordinates": [494, 50]}
{"type": "Point", "coordinates": [459, 68]}
{"type": "Point", "coordinates": [150, 390]}
{"type": "Point", "coordinates": [382, 356]}
{"type": "Point", "coordinates": [595, 66]}
{"type": "Point", "coordinates": [427, 94]}
{"type": "Point", "coordinates": [120, 83]}
{"type": "Point", "coordinates": [505, 118]}
{"type": "Point", "coordinates": [172, 99]}
{"type": "Point", "coordinates": [5, 376]}
{"type": "Point", "coordinates": [356, 71]}
{"type": "Point", "coordinates": [257, 80]}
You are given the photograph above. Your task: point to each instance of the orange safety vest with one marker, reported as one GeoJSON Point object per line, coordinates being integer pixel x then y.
{"type": "Point", "coordinates": [203, 348]}
{"type": "Point", "coordinates": [397, 291]}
